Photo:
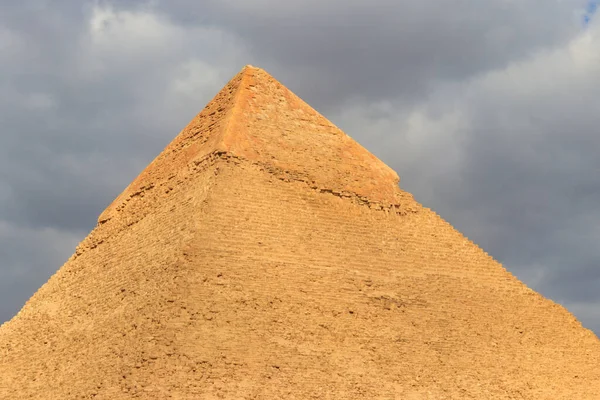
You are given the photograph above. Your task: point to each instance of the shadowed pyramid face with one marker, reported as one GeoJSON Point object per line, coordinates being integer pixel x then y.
{"type": "Point", "coordinates": [265, 254]}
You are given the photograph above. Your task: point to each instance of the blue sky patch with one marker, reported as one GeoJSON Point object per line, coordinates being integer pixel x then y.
{"type": "Point", "coordinates": [590, 10]}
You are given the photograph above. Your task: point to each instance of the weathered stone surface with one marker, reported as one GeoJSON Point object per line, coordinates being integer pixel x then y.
{"type": "Point", "coordinates": [265, 254]}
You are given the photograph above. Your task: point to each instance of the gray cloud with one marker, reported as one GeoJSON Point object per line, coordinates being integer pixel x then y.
{"type": "Point", "coordinates": [332, 51]}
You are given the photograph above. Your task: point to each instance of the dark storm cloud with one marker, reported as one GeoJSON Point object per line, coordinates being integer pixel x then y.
{"type": "Point", "coordinates": [332, 51]}
{"type": "Point", "coordinates": [44, 114]}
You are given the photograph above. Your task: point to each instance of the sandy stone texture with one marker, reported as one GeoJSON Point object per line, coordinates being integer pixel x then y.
{"type": "Point", "coordinates": [264, 254]}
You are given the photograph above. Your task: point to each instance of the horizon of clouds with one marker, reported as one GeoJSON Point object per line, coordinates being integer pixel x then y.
{"type": "Point", "coordinates": [479, 133]}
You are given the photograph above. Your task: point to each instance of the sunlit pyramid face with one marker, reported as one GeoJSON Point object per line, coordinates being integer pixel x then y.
{"type": "Point", "coordinates": [266, 254]}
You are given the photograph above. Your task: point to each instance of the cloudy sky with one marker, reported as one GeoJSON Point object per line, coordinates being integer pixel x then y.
{"type": "Point", "coordinates": [488, 110]}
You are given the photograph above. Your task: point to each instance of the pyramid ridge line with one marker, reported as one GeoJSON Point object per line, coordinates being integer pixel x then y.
{"type": "Point", "coordinates": [235, 108]}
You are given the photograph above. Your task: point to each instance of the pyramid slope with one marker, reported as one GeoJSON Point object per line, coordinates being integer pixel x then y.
{"type": "Point", "coordinates": [236, 280]}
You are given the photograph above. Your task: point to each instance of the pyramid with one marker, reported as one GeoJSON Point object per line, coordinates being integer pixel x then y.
{"type": "Point", "coordinates": [264, 254]}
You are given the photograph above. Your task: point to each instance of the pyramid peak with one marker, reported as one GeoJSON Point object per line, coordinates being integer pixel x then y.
{"type": "Point", "coordinates": [271, 124]}
{"type": "Point", "coordinates": [256, 118]}
{"type": "Point", "coordinates": [251, 69]}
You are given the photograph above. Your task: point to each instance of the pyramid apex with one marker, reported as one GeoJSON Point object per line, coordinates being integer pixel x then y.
{"type": "Point", "coordinates": [256, 118]}
{"type": "Point", "coordinates": [250, 68]}
{"type": "Point", "coordinates": [269, 124]}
